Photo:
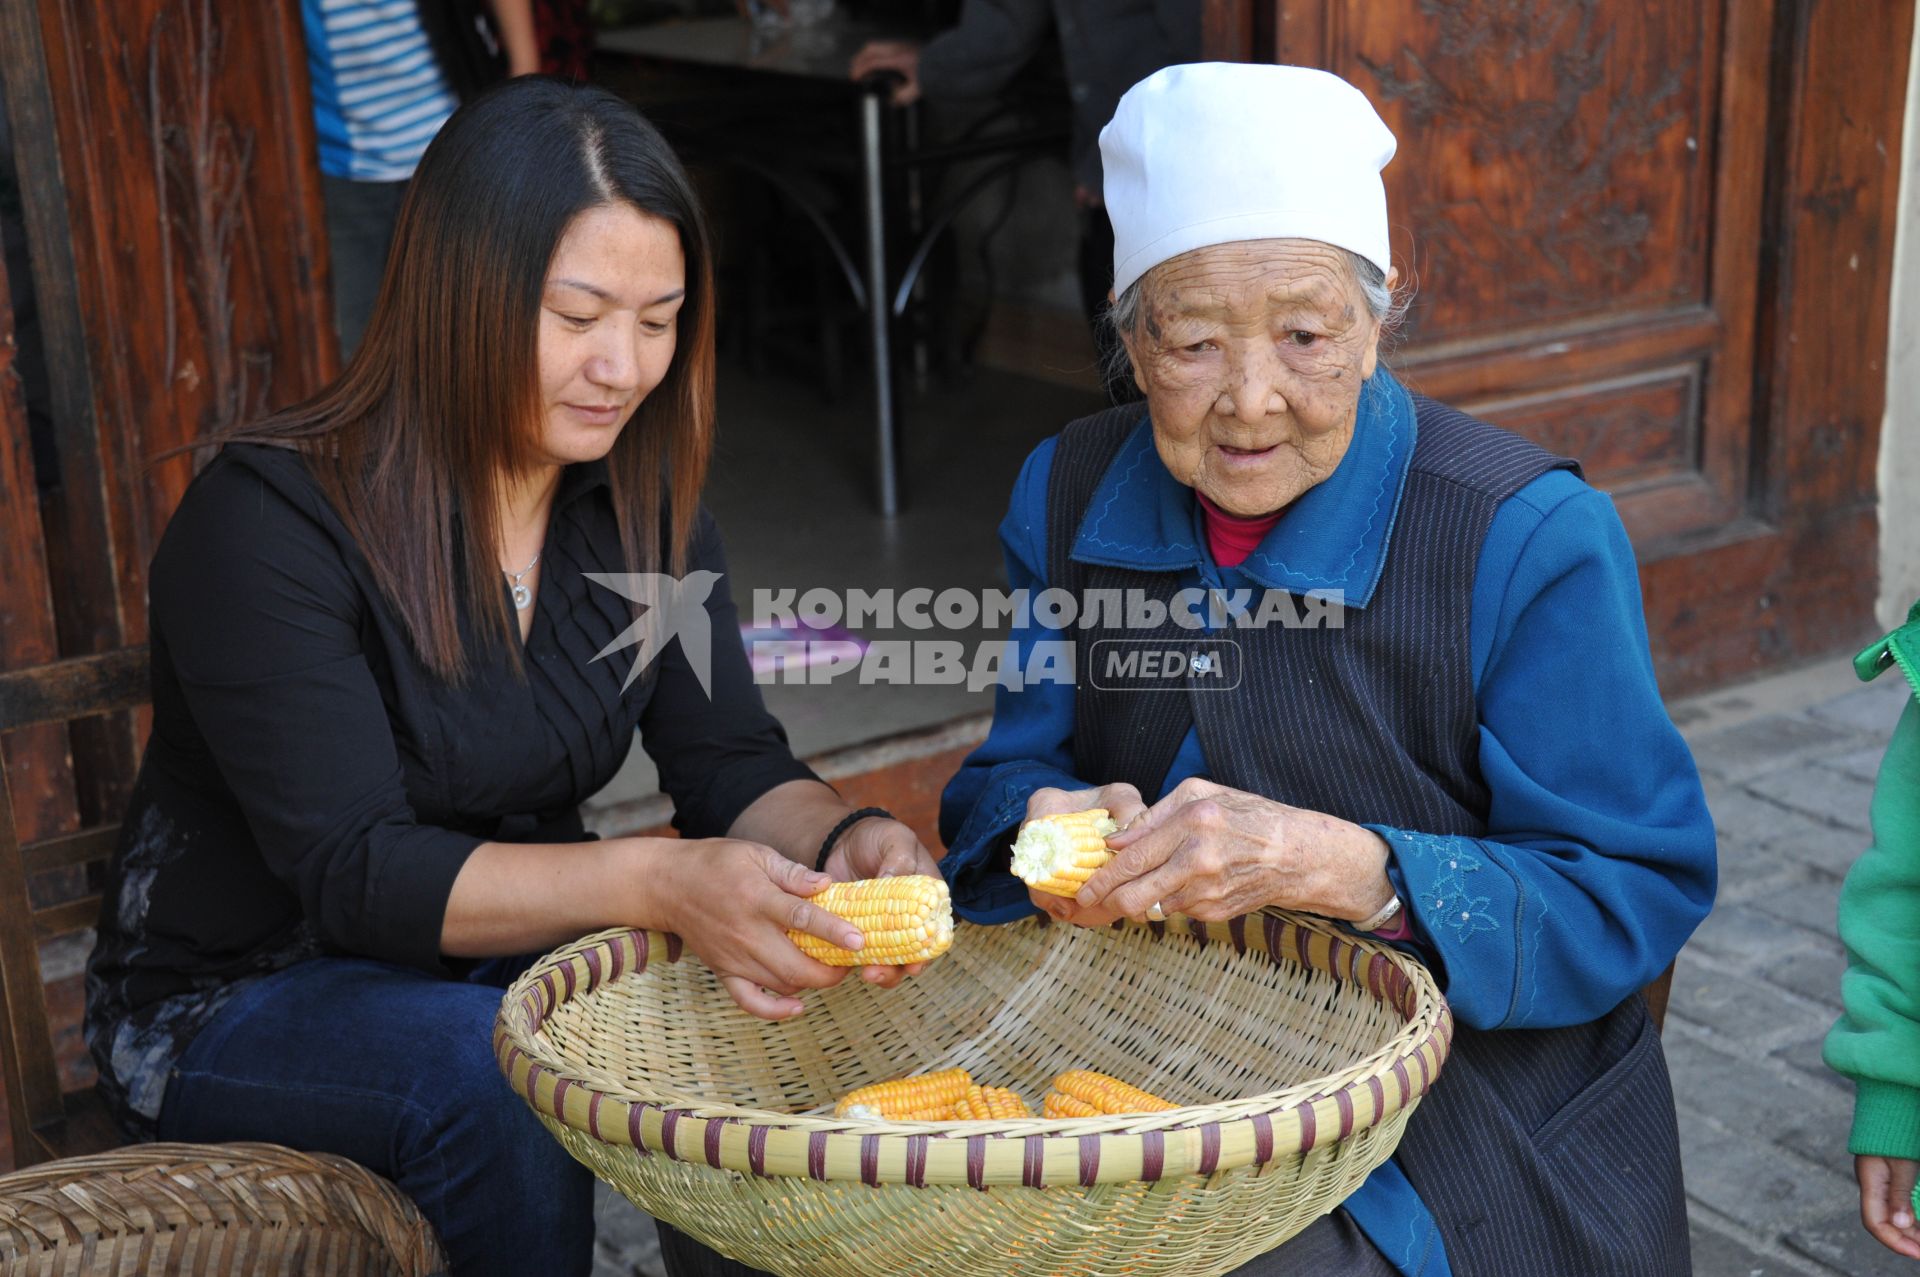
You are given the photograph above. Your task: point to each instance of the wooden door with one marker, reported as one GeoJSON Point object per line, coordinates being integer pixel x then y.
{"type": "Point", "coordinates": [1656, 237]}
{"type": "Point", "coordinates": [165, 158]}
{"type": "Point", "coordinates": [165, 162]}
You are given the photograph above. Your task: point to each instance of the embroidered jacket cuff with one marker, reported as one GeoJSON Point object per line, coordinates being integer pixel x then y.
{"type": "Point", "coordinates": [1465, 906]}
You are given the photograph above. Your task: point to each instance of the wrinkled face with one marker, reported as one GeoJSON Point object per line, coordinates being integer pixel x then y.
{"type": "Point", "coordinates": [1251, 356]}
{"type": "Point", "coordinates": [608, 324]}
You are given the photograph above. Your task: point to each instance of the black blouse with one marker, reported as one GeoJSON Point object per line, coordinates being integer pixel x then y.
{"type": "Point", "coordinates": [310, 787]}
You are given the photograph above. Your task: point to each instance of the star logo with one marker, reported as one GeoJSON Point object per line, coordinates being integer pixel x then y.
{"type": "Point", "coordinates": [671, 606]}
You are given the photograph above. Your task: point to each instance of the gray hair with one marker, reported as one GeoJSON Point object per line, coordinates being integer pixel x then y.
{"type": "Point", "coordinates": [1387, 307]}
{"type": "Point", "coordinates": [1122, 316]}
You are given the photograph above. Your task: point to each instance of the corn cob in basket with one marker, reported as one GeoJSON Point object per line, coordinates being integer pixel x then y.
{"type": "Point", "coordinates": [904, 919]}
{"type": "Point", "coordinates": [930, 1097]}
{"type": "Point", "coordinates": [950, 1095]}
{"type": "Point", "coordinates": [1057, 854]}
{"type": "Point", "coordinates": [982, 1103]}
{"type": "Point", "coordinates": [1084, 1093]}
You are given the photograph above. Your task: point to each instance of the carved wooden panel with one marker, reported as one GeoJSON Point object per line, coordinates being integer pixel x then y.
{"type": "Point", "coordinates": [1561, 154]}
{"type": "Point", "coordinates": [38, 773]}
{"type": "Point", "coordinates": [166, 151]}
{"type": "Point", "coordinates": [1553, 202]}
{"type": "Point", "coordinates": [165, 155]}
{"type": "Point", "coordinates": [1624, 430]}
{"type": "Point", "coordinates": [1658, 237]}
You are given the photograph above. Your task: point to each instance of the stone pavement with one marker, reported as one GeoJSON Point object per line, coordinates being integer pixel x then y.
{"type": "Point", "coordinates": [625, 1245]}
{"type": "Point", "coordinates": [1789, 764]}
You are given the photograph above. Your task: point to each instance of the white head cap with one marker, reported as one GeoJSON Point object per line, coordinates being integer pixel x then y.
{"type": "Point", "coordinates": [1216, 152]}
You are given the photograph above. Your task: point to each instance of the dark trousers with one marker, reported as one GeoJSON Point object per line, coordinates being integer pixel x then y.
{"type": "Point", "coordinates": [360, 220]}
{"type": "Point", "coordinates": [394, 1069]}
{"type": "Point", "coordinates": [1329, 1247]}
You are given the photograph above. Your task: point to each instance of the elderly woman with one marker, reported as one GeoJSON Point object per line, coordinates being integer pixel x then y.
{"type": "Point", "coordinates": [1462, 749]}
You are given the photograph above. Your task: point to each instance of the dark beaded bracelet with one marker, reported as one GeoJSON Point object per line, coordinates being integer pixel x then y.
{"type": "Point", "coordinates": [826, 848]}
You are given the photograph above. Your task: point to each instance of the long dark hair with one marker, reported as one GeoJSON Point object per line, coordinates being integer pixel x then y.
{"type": "Point", "coordinates": [443, 395]}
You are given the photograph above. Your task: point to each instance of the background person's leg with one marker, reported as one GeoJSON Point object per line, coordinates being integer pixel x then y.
{"type": "Point", "coordinates": [395, 1070]}
{"type": "Point", "coordinates": [360, 219]}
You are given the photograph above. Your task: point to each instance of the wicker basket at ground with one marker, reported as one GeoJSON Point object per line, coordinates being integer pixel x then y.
{"type": "Point", "coordinates": [210, 1210]}
{"type": "Point", "coordinates": [1298, 1052]}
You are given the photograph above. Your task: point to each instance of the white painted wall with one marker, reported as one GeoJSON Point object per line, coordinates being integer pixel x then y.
{"type": "Point", "coordinates": [1900, 431]}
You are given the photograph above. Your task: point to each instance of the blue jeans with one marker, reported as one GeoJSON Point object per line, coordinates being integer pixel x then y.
{"type": "Point", "coordinates": [394, 1069]}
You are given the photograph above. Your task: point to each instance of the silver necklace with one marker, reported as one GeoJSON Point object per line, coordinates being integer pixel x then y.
{"type": "Point", "coordinates": [522, 596]}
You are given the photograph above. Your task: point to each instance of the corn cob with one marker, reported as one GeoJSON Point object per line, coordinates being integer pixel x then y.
{"type": "Point", "coordinates": [905, 919]}
{"type": "Point", "coordinates": [1084, 1093]}
{"type": "Point", "coordinates": [929, 1097]}
{"type": "Point", "coordinates": [981, 1103]}
{"type": "Point", "coordinates": [1057, 854]}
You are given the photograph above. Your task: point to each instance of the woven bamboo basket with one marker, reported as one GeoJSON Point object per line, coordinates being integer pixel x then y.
{"type": "Point", "coordinates": [1298, 1051]}
{"type": "Point", "coordinates": [210, 1210]}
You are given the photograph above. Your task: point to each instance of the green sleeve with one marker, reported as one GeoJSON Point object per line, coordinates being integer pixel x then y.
{"type": "Point", "coordinates": [1877, 1039]}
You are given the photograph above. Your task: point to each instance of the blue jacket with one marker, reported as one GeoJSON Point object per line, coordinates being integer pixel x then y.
{"type": "Point", "coordinates": [1598, 861]}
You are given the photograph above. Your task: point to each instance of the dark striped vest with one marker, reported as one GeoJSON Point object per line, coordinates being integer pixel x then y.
{"type": "Point", "coordinates": [1541, 1152]}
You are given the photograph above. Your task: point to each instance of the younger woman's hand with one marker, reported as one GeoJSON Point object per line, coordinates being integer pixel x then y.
{"type": "Point", "coordinates": [733, 902]}
{"type": "Point", "coordinates": [1886, 1202]}
{"type": "Point", "coordinates": [881, 848]}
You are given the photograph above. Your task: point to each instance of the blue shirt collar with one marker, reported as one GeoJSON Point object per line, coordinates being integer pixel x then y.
{"type": "Point", "coordinates": [1332, 540]}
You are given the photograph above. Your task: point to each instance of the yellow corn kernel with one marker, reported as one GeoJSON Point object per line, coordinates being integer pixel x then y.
{"type": "Point", "coordinates": [982, 1103]}
{"type": "Point", "coordinates": [930, 1097]}
{"type": "Point", "coordinates": [1056, 1105]}
{"type": "Point", "coordinates": [904, 919]}
{"type": "Point", "coordinates": [1057, 854]}
{"type": "Point", "coordinates": [1084, 1093]}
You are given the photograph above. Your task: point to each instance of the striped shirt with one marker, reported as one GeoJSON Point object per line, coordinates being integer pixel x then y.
{"type": "Point", "coordinates": [379, 95]}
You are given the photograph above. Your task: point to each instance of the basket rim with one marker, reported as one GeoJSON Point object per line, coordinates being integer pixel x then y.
{"type": "Point", "coordinates": [1199, 1139]}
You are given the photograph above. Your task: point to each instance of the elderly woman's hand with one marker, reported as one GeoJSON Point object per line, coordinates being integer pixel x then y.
{"type": "Point", "coordinates": [878, 848]}
{"type": "Point", "coordinates": [1124, 806]}
{"type": "Point", "coordinates": [1215, 853]}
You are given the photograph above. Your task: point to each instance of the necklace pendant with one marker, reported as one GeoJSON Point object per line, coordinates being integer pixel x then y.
{"type": "Point", "coordinates": [522, 596]}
